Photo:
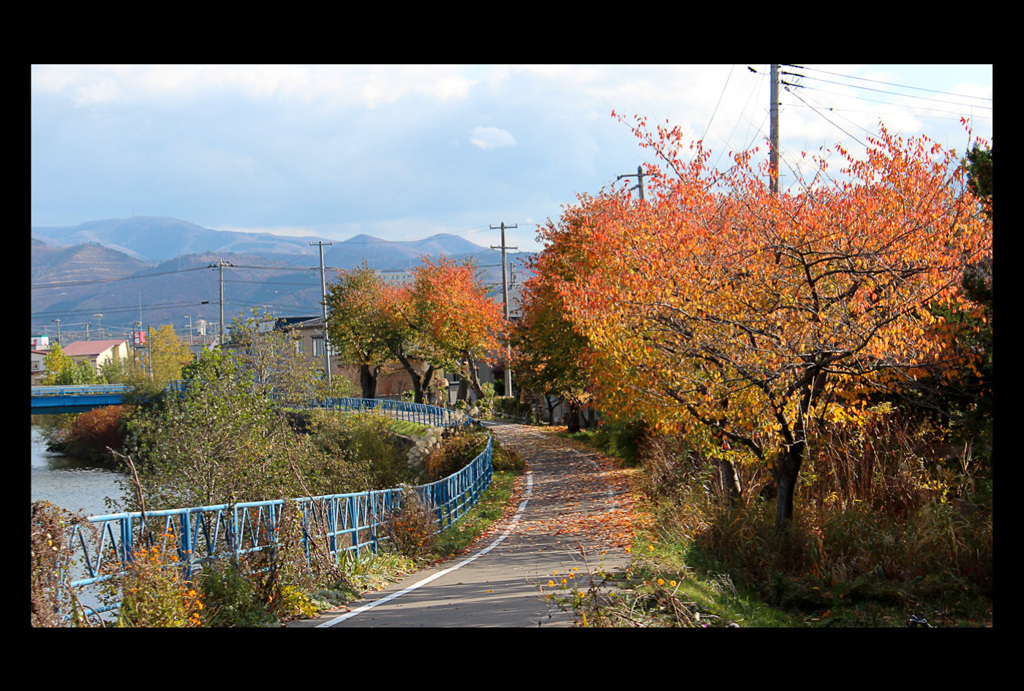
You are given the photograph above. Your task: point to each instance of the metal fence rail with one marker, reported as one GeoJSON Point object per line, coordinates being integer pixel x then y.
{"type": "Point", "coordinates": [339, 523]}
{"type": "Point", "coordinates": [79, 389]}
{"type": "Point", "coordinates": [432, 415]}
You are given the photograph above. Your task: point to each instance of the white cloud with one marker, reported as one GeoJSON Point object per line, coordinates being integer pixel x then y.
{"type": "Point", "coordinates": [491, 138]}
{"type": "Point", "coordinates": [366, 85]}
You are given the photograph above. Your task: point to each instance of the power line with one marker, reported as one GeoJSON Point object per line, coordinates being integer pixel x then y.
{"type": "Point", "coordinates": [70, 284]}
{"type": "Point", "coordinates": [965, 101]}
{"type": "Point", "coordinates": [876, 81]}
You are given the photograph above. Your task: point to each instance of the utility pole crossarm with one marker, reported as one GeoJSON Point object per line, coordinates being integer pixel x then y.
{"type": "Point", "coordinates": [639, 175]}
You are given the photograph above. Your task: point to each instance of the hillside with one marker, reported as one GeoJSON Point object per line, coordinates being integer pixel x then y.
{"type": "Point", "coordinates": [76, 282]}
{"type": "Point", "coordinates": [157, 238]}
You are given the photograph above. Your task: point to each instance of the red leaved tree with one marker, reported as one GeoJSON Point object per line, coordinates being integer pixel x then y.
{"type": "Point", "coordinates": [459, 325]}
{"type": "Point", "coordinates": [718, 304]}
{"type": "Point", "coordinates": [550, 356]}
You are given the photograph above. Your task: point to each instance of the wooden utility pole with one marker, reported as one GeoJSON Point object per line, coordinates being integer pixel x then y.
{"type": "Point", "coordinates": [504, 294]}
{"type": "Point", "coordinates": [773, 160]}
{"type": "Point", "coordinates": [323, 295]}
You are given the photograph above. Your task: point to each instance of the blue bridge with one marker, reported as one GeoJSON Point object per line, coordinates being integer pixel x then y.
{"type": "Point", "coordinates": [53, 400]}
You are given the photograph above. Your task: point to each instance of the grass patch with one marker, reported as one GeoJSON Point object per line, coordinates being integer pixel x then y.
{"type": "Point", "coordinates": [408, 429]}
{"type": "Point", "coordinates": [494, 504]}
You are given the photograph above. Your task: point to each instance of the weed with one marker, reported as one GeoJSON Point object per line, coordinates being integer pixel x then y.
{"type": "Point", "coordinates": [51, 595]}
{"type": "Point", "coordinates": [154, 592]}
{"type": "Point", "coordinates": [410, 529]}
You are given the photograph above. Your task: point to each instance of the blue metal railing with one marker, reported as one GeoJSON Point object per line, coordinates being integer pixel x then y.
{"type": "Point", "coordinates": [347, 523]}
{"type": "Point", "coordinates": [432, 415]}
{"type": "Point", "coordinates": [79, 390]}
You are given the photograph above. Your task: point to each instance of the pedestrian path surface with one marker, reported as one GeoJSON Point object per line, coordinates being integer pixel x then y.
{"type": "Point", "coordinates": [573, 518]}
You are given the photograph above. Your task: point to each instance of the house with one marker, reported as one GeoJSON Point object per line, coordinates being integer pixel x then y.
{"type": "Point", "coordinates": [38, 366]}
{"type": "Point", "coordinates": [98, 353]}
{"type": "Point", "coordinates": [402, 278]}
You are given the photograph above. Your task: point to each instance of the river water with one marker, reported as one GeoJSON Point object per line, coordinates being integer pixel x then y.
{"type": "Point", "coordinates": [70, 484]}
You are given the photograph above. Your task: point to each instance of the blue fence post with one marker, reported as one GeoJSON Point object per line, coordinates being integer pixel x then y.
{"type": "Point", "coordinates": [353, 508]}
{"type": "Point", "coordinates": [185, 543]}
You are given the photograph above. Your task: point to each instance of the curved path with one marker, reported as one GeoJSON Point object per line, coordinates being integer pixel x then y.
{"type": "Point", "coordinates": [572, 518]}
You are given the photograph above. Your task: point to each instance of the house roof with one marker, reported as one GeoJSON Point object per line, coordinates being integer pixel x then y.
{"type": "Point", "coordinates": [81, 348]}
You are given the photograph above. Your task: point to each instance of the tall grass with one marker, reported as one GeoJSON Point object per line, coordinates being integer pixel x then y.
{"type": "Point", "coordinates": [891, 520]}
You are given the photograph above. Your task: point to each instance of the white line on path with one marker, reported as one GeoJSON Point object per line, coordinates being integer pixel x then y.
{"type": "Point", "coordinates": [419, 584]}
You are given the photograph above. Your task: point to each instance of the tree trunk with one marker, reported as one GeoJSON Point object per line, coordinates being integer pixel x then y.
{"type": "Point", "coordinates": [572, 421]}
{"type": "Point", "coordinates": [474, 377]}
{"type": "Point", "coordinates": [786, 472]}
{"type": "Point", "coordinates": [551, 408]}
{"type": "Point", "coordinates": [368, 380]}
{"type": "Point", "coordinates": [731, 482]}
{"type": "Point", "coordinates": [420, 381]}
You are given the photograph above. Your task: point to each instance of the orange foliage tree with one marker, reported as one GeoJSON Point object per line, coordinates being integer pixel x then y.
{"type": "Point", "coordinates": [459, 325]}
{"type": "Point", "coordinates": [550, 357]}
{"type": "Point", "coordinates": [716, 304]}
{"type": "Point", "coordinates": [444, 320]}
{"type": "Point", "coordinates": [359, 327]}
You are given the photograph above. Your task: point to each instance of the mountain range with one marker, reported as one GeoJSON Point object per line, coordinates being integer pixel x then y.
{"type": "Point", "coordinates": [112, 274]}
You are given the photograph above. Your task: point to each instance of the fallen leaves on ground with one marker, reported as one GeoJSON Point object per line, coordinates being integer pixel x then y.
{"type": "Point", "coordinates": [582, 494]}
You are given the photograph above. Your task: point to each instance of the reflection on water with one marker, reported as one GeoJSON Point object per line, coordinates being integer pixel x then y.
{"type": "Point", "coordinates": [70, 484]}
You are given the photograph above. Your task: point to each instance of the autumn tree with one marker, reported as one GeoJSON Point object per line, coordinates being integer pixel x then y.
{"type": "Point", "coordinates": [59, 367]}
{"type": "Point", "coordinates": [754, 315]}
{"type": "Point", "coordinates": [549, 355]}
{"type": "Point", "coordinates": [444, 320]}
{"type": "Point", "coordinates": [168, 354]}
{"type": "Point", "coordinates": [458, 323]}
{"type": "Point", "coordinates": [358, 324]}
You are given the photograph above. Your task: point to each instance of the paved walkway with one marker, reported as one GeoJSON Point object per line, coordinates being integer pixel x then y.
{"type": "Point", "coordinates": [572, 518]}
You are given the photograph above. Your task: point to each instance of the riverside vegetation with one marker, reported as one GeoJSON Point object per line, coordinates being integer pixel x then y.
{"type": "Point", "coordinates": [225, 441]}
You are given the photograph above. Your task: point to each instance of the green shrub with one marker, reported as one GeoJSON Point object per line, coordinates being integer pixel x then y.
{"type": "Point", "coordinates": [360, 450]}
{"type": "Point", "coordinates": [452, 455]}
{"type": "Point", "coordinates": [229, 597]}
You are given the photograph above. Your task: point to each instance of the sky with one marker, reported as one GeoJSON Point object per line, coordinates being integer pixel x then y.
{"type": "Point", "coordinates": [403, 152]}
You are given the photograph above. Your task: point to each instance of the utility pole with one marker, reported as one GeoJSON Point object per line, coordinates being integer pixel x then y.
{"type": "Point", "coordinates": [323, 294]}
{"type": "Point", "coordinates": [639, 175]}
{"type": "Point", "coordinates": [58, 329]}
{"type": "Point", "coordinates": [773, 160]}
{"type": "Point", "coordinates": [504, 294]}
{"type": "Point", "coordinates": [221, 264]}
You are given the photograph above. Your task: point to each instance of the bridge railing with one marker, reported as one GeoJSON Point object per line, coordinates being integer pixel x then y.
{"type": "Point", "coordinates": [341, 524]}
{"type": "Point", "coordinates": [79, 389]}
